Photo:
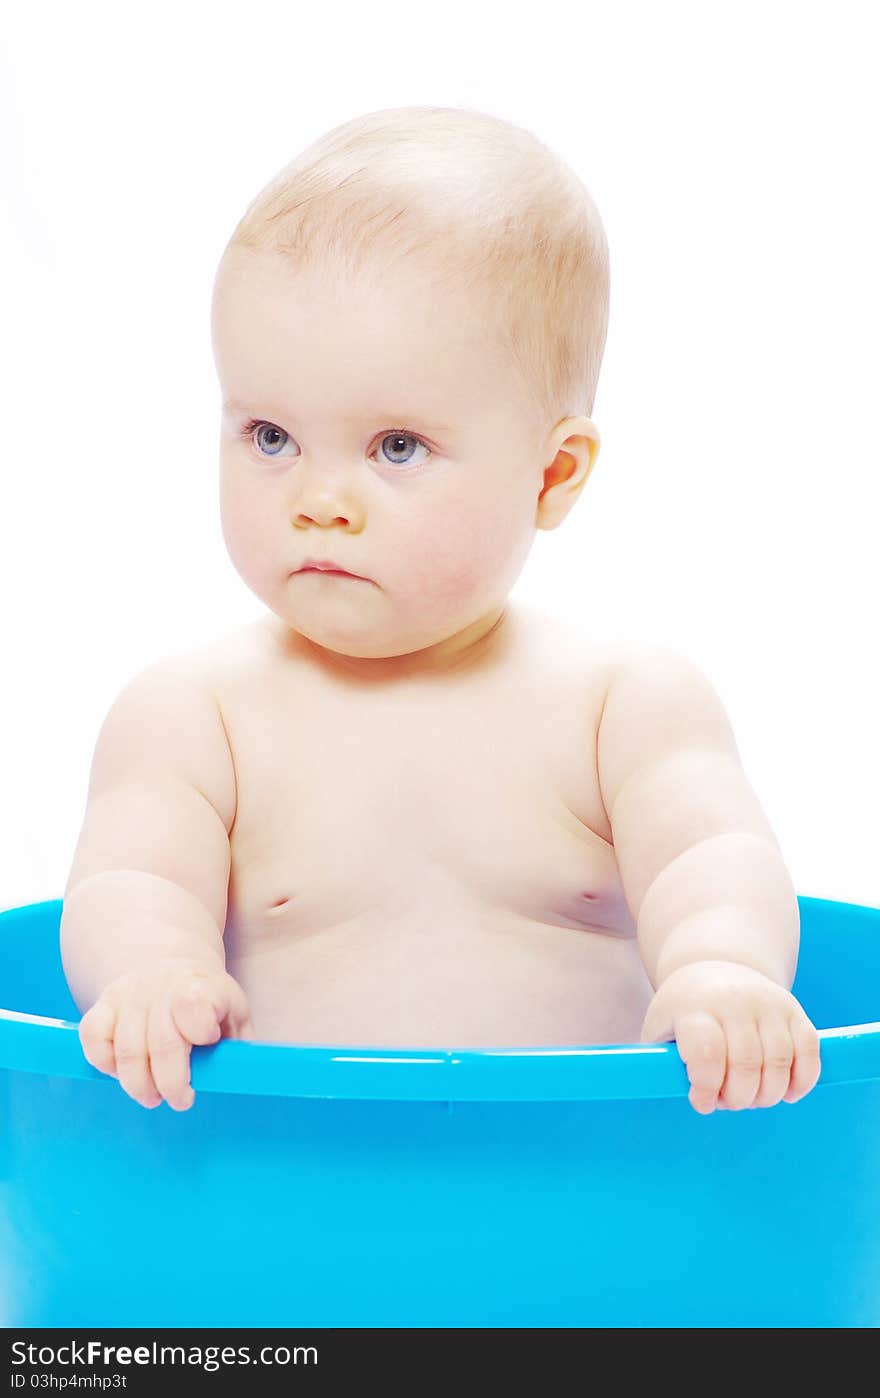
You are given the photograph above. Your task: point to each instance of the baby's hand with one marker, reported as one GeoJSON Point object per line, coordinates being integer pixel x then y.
{"type": "Point", "coordinates": [745, 1040]}
{"type": "Point", "coordinates": [143, 1026]}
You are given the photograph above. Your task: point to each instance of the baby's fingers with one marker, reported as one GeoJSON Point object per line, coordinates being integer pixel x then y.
{"type": "Point", "coordinates": [778, 1049]}
{"type": "Point", "coordinates": [169, 1057]}
{"type": "Point", "coordinates": [807, 1064]}
{"type": "Point", "coordinates": [193, 1011]}
{"type": "Point", "coordinates": [132, 1061]}
{"type": "Point", "coordinates": [745, 1061]}
{"type": "Point", "coordinates": [209, 1007]}
{"type": "Point", "coordinates": [96, 1037]}
{"type": "Point", "coordinates": [236, 1016]}
{"type": "Point", "coordinates": [241, 1025]}
{"type": "Point", "coordinates": [703, 1048]}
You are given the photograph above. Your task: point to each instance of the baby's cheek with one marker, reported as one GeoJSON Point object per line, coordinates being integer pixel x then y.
{"type": "Point", "coordinates": [450, 570]}
{"type": "Point", "coordinates": [244, 532]}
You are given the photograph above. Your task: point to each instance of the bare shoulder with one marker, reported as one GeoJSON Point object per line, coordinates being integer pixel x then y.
{"type": "Point", "coordinates": [659, 705]}
{"type": "Point", "coordinates": [588, 661]}
{"type": "Point", "coordinates": [191, 694]}
{"type": "Point", "coordinates": [217, 661]}
{"type": "Point", "coordinates": [639, 676]}
{"type": "Point", "coordinates": [651, 667]}
{"type": "Point", "coordinates": [165, 729]}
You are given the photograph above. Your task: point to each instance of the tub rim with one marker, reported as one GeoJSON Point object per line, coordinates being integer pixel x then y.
{"type": "Point", "coordinates": [50, 1047]}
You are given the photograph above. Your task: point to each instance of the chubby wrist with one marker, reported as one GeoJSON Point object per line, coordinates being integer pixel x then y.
{"type": "Point", "coordinates": [733, 933]}
{"type": "Point", "coordinates": [714, 967]}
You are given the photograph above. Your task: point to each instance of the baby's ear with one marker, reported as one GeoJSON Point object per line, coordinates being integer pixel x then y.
{"type": "Point", "coordinates": [570, 453]}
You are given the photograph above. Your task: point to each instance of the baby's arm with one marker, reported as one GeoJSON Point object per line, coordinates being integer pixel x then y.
{"type": "Point", "coordinates": [715, 908]}
{"type": "Point", "coordinates": [145, 903]}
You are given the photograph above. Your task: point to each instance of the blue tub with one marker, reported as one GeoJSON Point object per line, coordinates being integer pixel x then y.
{"type": "Point", "coordinates": [346, 1187]}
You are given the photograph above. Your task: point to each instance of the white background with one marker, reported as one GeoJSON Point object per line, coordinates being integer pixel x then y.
{"type": "Point", "coordinates": [731, 149]}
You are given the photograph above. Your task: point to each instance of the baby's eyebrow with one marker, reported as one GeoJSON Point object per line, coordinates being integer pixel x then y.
{"type": "Point", "coordinates": [399, 419]}
{"type": "Point", "coordinates": [405, 419]}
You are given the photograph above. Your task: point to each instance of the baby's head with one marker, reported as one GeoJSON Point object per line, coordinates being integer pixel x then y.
{"type": "Point", "coordinates": [408, 325]}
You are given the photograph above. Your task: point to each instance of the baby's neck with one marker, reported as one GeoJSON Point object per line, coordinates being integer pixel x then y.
{"type": "Point", "coordinates": [475, 645]}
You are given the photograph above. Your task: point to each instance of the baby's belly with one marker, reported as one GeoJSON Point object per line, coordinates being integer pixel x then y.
{"type": "Point", "coordinates": [458, 979]}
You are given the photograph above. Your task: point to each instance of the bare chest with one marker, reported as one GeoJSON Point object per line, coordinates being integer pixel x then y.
{"type": "Point", "coordinates": [402, 805]}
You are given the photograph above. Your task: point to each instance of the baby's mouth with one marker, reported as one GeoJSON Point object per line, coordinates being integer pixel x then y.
{"type": "Point", "coordinates": [332, 573]}
{"type": "Point", "coordinates": [329, 568]}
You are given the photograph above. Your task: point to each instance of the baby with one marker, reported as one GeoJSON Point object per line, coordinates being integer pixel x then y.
{"type": "Point", "coordinates": [399, 810]}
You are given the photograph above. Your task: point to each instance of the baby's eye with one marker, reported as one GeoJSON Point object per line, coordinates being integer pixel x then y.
{"type": "Point", "coordinates": [395, 450]}
{"type": "Point", "coordinates": [397, 447]}
{"type": "Point", "coordinates": [265, 436]}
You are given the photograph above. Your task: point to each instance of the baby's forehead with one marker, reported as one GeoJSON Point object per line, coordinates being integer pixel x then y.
{"type": "Point", "coordinates": [265, 279]}
{"type": "Point", "coordinates": [382, 343]}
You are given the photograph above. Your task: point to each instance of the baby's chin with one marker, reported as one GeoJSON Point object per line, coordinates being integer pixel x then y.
{"type": "Point", "coordinates": [364, 638]}
{"type": "Point", "coordinates": [359, 641]}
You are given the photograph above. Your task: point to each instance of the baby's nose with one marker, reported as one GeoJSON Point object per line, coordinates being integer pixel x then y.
{"type": "Point", "coordinates": [326, 507]}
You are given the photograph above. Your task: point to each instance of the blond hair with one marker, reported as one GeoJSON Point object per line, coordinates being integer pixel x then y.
{"type": "Point", "coordinates": [466, 196]}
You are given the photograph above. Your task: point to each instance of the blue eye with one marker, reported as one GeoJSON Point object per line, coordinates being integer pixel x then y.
{"type": "Point", "coordinates": [256, 430]}
{"type": "Point", "coordinates": [270, 441]}
{"type": "Point", "coordinates": [396, 438]}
